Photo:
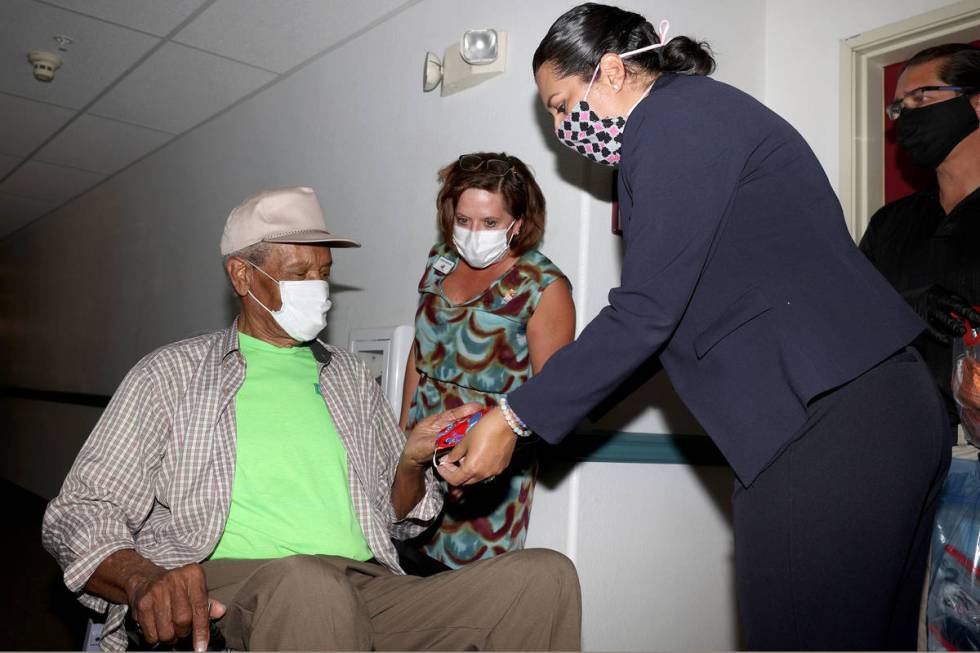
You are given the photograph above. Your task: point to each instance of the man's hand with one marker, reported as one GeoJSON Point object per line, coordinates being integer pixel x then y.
{"type": "Point", "coordinates": [482, 453]}
{"type": "Point", "coordinates": [408, 486]}
{"type": "Point", "coordinates": [935, 305]}
{"type": "Point", "coordinates": [165, 604]}
{"type": "Point", "coordinates": [421, 440]}
{"type": "Point", "coordinates": [173, 604]}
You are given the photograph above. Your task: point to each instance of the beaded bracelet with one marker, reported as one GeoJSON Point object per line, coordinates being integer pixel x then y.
{"type": "Point", "coordinates": [515, 423]}
{"type": "Point", "coordinates": [514, 426]}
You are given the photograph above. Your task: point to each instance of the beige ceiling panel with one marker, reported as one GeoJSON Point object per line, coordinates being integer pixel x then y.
{"type": "Point", "coordinates": [15, 212]}
{"type": "Point", "coordinates": [291, 30]}
{"type": "Point", "coordinates": [25, 124]}
{"type": "Point", "coordinates": [177, 88]}
{"type": "Point", "coordinates": [153, 16]}
{"type": "Point", "coordinates": [101, 145]}
{"type": "Point", "coordinates": [50, 183]}
{"type": "Point", "coordinates": [99, 54]}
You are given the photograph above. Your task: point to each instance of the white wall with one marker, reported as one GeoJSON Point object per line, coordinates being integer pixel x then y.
{"type": "Point", "coordinates": [138, 263]}
{"type": "Point", "coordinates": [802, 61]}
{"type": "Point", "coordinates": [134, 264]}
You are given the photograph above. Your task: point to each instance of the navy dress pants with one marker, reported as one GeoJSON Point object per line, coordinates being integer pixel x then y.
{"type": "Point", "coordinates": [831, 540]}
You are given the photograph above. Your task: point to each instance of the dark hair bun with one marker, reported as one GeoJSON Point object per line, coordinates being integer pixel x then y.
{"type": "Point", "coordinates": [577, 40]}
{"type": "Point", "coordinates": [686, 57]}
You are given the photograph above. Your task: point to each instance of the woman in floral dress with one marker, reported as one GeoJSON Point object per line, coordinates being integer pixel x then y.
{"type": "Point", "coordinates": [492, 310]}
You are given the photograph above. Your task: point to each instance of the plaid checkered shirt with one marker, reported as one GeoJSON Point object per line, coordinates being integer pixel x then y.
{"type": "Point", "coordinates": [156, 473]}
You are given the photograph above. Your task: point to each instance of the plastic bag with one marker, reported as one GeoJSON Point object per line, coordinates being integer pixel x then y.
{"type": "Point", "coordinates": [966, 382]}
{"type": "Point", "coordinates": [953, 609]}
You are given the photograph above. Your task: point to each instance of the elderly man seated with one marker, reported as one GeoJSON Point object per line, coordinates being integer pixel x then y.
{"type": "Point", "coordinates": [250, 481]}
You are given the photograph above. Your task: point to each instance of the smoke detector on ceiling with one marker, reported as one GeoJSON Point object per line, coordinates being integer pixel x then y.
{"type": "Point", "coordinates": [46, 63]}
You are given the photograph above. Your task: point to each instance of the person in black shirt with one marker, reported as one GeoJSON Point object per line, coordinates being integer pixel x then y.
{"type": "Point", "coordinates": [928, 244]}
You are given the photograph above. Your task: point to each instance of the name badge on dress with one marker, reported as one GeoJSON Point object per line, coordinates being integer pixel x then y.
{"type": "Point", "coordinates": [443, 265]}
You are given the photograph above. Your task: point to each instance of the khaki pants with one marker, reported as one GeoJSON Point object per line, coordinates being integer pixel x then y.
{"type": "Point", "coordinates": [523, 600]}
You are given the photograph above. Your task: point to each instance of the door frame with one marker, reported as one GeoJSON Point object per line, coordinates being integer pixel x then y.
{"type": "Point", "coordinates": [862, 120]}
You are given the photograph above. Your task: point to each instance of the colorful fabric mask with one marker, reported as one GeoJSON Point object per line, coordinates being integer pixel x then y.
{"type": "Point", "coordinates": [483, 248]}
{"type": "Point", "coordinates": [595, 138]}
{"type": "Point", "coordinates": [303, 313]}
{"type": "Point", "coordinates": [928, 134]}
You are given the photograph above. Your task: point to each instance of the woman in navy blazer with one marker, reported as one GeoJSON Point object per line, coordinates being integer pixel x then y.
{"type": "Point", "coordinates": [785, 343]}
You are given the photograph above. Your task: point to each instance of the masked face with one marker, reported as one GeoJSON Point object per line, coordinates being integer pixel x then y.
{"type": "Point", "coordinates": [303, 313]}
{"type": "Point", "coordinates": [597, 139]}
{"type": "Point", "coordinates": [600, 139]}
{"type": "Point", "coordinates": [484, 247]}
{"type": "Point", "coordinates": [928, 134]}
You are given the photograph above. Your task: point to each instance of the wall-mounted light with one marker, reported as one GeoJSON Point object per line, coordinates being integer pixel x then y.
{"type": "Point", "coordinates": [479, 55]}
{"type": "Point", "coordinates": [431, 72]}
{"type": "Point", "coordinates": [478, 47]}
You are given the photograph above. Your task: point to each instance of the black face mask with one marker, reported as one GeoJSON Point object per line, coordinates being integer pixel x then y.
{"type": "Point", "coordinates": [928, 134]}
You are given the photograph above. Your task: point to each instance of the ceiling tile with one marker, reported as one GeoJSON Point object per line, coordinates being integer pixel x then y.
{"type": "Point", "coordinates": [100, 144]}
{"type": "Point", "coordinates": [51, 183]}
{"type": "Point", "coordinates": [99, 54]}
{"type": "Point", "coordinates": [292, 30]}
{"type": "Point", "coordinates": [177, 88]}
{"type": "Point", "coordinates": [25, 124]}
{"type": "Point", "coordinates": [151, 16]}
{"type": "Point", "coordinates": [15, 212]}
{"type": "Point", "coordinates": [7, 163]}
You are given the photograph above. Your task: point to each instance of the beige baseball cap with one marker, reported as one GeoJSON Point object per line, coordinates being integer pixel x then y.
{"type": "Point", "coordinates": [285, 215]}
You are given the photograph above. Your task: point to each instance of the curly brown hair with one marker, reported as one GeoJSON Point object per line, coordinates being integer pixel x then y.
{"type": "Point", "coordinates": [521, 195]}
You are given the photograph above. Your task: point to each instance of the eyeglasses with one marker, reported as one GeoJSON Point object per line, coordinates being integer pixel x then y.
{"type": "Point", "coordinates": [472, 163]}
{"type": "Point", "coordinates": [894, 109]}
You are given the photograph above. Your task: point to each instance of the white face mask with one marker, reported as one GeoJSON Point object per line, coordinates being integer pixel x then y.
{"type": "Point", "coordinates": [482, 248]}
{"type": "Point", "coordinates": [303, 313]}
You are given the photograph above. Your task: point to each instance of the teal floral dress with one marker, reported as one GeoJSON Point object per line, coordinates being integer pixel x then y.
{"type": "Point", "coordinates": [476, 351]}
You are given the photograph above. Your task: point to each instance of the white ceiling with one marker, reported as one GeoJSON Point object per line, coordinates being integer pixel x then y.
{"type": "Point", "coordinates": [137, 74]}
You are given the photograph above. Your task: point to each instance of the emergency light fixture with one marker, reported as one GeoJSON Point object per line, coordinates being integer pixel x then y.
{"type": "Point", "coordinates": [480, 54]}
{"type": "Point", "coordinates": [478, 47]}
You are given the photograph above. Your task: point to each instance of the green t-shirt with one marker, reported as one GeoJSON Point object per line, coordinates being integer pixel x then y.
{"type": "Point", "coordinates": [290, 493]}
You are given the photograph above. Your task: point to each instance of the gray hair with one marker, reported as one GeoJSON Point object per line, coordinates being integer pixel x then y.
{"type": "Point", "coordinates": [255, 254]}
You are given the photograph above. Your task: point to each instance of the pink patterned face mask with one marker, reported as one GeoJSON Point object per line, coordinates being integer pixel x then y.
{"type": "Point", "coordinates": [595, 138]}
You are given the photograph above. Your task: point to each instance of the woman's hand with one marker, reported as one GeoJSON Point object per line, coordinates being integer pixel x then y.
{"type": "Point", "coordinates": [421, 440]}
{"type": "Point", "coordinates": [482, 453]}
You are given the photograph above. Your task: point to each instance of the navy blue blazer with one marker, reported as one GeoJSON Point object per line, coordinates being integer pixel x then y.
{"type": "Point", "coordinates": [738, 270]}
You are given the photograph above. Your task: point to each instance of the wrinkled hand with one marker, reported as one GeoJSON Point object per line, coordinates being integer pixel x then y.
{"type": "Point", "coordinates": [483, 452]}
{"type": "Point", "coordinates": [934, 305]}
{"type": "Point", "coordinates": [173, 604]}
{"type": "Point", "coordinates": [421, 440]}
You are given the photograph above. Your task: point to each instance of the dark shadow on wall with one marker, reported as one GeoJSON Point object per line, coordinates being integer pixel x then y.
{"type": "Point", "coordinates": [648, 387]}
{"type": "Point", "coordinates": [569, 166]}
{"type": "Point", "coordinates": [37, 612]}
{"type": "Point", "coordinates": [337, 292]}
